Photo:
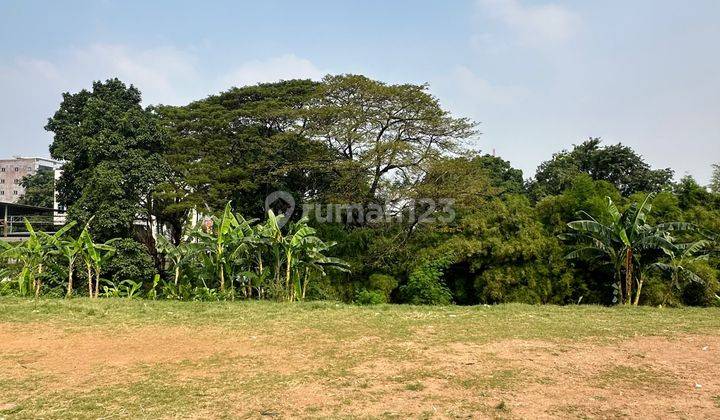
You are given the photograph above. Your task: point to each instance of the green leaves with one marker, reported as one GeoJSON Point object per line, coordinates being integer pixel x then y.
{"type": "Point", "coordinates": [261, 256]}
{"type": "Point", "coordinates": [624, 239]}
{"type": "Point", "coordinates": [112, 148]}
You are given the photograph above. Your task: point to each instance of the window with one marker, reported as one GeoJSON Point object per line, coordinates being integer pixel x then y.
{"type": "Point", "coordinates": [16, 181]}
{"type": "Point", "coordinates": [2, 192]}
{"type": "Point", "coordinates": [14, 192]}
{"type": "Point", "coordinates": [2, 169]}
{"type": "Point", "coordinates": [2, 181]}
{"type": "Point", "coordinates": [17, 169]}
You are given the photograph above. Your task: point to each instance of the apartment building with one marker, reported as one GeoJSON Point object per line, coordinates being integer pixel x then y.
{"type": "Point", "coordinates": [14, 169]}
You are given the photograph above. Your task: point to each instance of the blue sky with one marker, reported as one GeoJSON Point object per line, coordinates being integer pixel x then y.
{"type": "Point", "coordinates": [538, 75]}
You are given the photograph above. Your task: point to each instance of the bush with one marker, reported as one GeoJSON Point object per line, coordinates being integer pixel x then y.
{"type": "Point", "coordinates": [131, 261]}
{"type": "Point", "coordinates": [657, 291]}
{"type": "Point", "coordinates": [370, 297]}
{"type": "Point", "coordinates": [701, 294]}
{"type": "Point", "coordinates": [425, 287]}
{"type": "Point", "coordinates": [382, 283]}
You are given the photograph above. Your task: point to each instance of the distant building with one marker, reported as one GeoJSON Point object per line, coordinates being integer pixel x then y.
{"type": "Point", "coordinates": [13, 170]}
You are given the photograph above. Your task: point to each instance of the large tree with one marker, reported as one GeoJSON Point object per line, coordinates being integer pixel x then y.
{"type": "Point", "coordinates": [112, 149]}
{"type": "Point", "coordinates": [382, 133]}
{"type": "Point", "coordinates": [241, 145]}
{"type": "Point", "coordinates": [617, 164]}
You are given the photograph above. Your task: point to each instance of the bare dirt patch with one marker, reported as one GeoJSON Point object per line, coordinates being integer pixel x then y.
{"type": "Point", "coordinates": [270, 375]}
{"type": "Point", "coordinates": [73, 357]}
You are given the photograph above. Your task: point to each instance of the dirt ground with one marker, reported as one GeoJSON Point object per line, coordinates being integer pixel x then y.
{"type": "Point", "coordinates": [236, 374]}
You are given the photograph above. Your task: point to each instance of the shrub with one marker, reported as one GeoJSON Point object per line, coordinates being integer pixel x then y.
{"type": "Point", "coordinates": [131, 261]}
{"type": "Point", "coordinates": [701, 294]}
{"type": "Point", "coordinates": [382, 283]}
{"type": "Point", "coordinates": [425, 287]}
{"type": "Point", "coordinates": [370, 297]}
{"type": "Point", "coordinates": [657, 291]}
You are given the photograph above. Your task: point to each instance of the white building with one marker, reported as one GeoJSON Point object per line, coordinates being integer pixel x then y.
{"type": "Point", "coordinates": [13, 170]}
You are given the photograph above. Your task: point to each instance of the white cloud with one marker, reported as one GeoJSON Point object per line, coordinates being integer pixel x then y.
{"type": "Point", "coordinates": [470, 95]}
{"type": "Point", "coordinates": [534, 24]}
{"type": "Point", "coordinates": [284, 67]}
{"type": "Point", "coordinates": [163, 74]}
{"type": "Point", "coordinates": [476, 89]}
{"type": "Point", "coordinates": [32, 87]}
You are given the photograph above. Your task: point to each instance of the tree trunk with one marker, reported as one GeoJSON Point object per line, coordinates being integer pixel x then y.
{"type": "Point", "coordinates": [89, 276]}
{"type": "Point", "coordinates": [287, 277]}
{"type": "Point", "coordinates": [628, 275]}
{"type": "Point", "coordinates": [618, 280]}
{"type": "Point", "coordinates": [177, 273]}
{"type": "Point", "coordinates": [305, 282]}
{"type": "Point", "coordinates": [278, 264]}
{"type": "Point", "coordinates": [38, 281]}
{"type": "Point", "coordinates": [222, 277]}
{"type": "Point", "coordinates": [97, 283]}
{"type": "Point", "coordinates": [639, 289]}
{"type": "Point", "coordinates": [232, 288]}
{"type": "Point", "coordinates": [70, 281]}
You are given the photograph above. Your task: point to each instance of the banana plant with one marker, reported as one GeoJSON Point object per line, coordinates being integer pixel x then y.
{"type": "Point", "coordinates": [71, 250]}
{"type": "Point", "coordinates": [270, 240]}
{"type": "Point", "coordinates": [622, 241]}
{"type": "Point", "coordinates": [177, 254]}
{"type": "Point", "coordinates": [95, 256]}
{"type": "Point", "coordinates": [302, 255]}
{"type": "Point", "coordinates": [680, 257]}
{"type": "Point", "coordinates": [313, 262]}
{"type": "Point", "coordinates": [245, 246]}
{"type": "Point", "coordinates": [299, 238]}
{"type": "Point", "coordinates": [34, 254]}
{"type": "Point", "coordinates": [218, 242]}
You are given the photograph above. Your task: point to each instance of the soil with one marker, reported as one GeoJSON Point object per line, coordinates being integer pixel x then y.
{"type": "Point", "coordinates": [648, 377]}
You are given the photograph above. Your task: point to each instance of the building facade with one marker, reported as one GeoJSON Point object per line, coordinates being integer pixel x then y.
{"type": "Point", "coordinates": [14, 169]}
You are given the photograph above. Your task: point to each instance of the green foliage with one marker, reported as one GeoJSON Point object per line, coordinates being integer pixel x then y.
{"type": "Point", "coordinates": [704, 292]}
{"type": "Point", "coordinates": [130, 261]}
{"type": "Point", "coordinates": [617, 164]}
{"type": "Point", "coordinates": [691, 194]}
{"type": "Point", "coordinates": [258, 259]}
{"type": "Point", "coordinates": [39, 189]}
{"type": "Point", "coordinates": [425, 286]}
{"type": "Point", "coordinates": [382, 284]}
{"type": "Point", "coordinates": [43, 259]}
{"type": "Point", "coordinates": [170, 182]}
{"type": "Point", "coordinates": [583, 195]}
{"type": "Point", "coordinates": [627, 241]}
{"type": "Point", "coordinates": [125, 289]}
{"type": "Point", "coordinates": [502, 175]}
{"type": "Point", "coordinates": [239, 146]}
{"type": "Point", "coordinates": [112, 151]}
{"type": "Point", "coordinates": [370, 297]}
{"type": "Point", "coordinates": [715, 180]}
{"type": "Point", "coordinates": [378, 129]}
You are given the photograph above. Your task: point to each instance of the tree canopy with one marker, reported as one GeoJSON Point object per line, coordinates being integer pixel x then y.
{"type": "Point", "coordinates": [382, 131]}
{"type": "Point", "coordinates": [617, 164]}
{"type": "Point", "coordinates": [112, 148]}
{"type": "Point", "coordinates": [243, 144]}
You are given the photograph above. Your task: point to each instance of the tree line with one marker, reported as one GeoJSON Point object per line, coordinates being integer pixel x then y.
{"type": "Point", "coordinates": [595, 224]}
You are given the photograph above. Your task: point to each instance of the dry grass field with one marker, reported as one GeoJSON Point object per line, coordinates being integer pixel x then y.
{"type": "Point", "coordinates": [143, 359]}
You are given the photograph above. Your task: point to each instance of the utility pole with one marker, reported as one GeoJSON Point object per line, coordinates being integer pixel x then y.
{"type": "Point", "coordinates": [5, 221]}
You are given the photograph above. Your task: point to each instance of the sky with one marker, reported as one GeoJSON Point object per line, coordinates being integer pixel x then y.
{"type": "Point", "coordinates": [539, 76]}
